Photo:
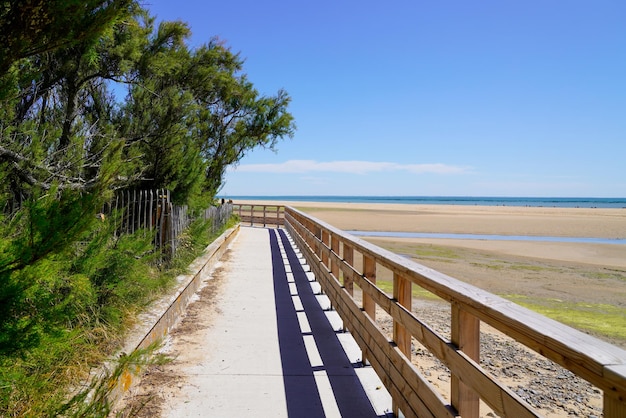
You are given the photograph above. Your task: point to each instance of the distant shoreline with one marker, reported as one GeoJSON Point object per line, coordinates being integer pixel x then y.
{"type": "Point", "coordinates": [557, 202]}
{"type": "Point", "coordinates": [606, 223]}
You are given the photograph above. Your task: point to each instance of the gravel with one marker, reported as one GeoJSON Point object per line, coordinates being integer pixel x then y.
{"type": "Point", "coordinates": [552, 390]}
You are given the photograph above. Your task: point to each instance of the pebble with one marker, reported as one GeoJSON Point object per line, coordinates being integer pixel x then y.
{"type": "Point", "coordinates": [542, 383]}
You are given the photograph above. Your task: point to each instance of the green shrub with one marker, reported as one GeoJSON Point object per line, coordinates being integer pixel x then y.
{"type": "Point", "coordinates": [64, 313]}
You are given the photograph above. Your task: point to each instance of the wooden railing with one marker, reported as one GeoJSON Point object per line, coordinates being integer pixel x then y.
{"type": "Point", "coordinates": [331, 254]}
{"type": "Point", "coordinates": [261, 215]}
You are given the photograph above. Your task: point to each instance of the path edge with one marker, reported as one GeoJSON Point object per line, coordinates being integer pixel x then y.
{"type": "Point", "coordinates": [155, 324]}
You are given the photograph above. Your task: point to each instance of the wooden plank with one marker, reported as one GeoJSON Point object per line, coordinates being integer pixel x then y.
{"type": "Point", "coordinates": [348, 258]}
{"type": "Point", "coordinates": [334, 247]}
{"type": "Point", "coordinates": [614, 402]}
{"type": "Point", "coordinates": [150, 209]}
{"type": "Point", "coordinates": [324, 252]}
{"type": "Point", "coordinates": [496, 395]}
{"type": "Point", "coordinates": [369, 306]}
{"type": "Point", "coordinates": [124, 209]}
{"type": "Point", "coordinates": [402, 295]}
{"type": "Point", "coordinates": [613, 407]}
{"type": "Point", "coordinates": [369, 272]}
{"type": "Point", "coordinates": [465, 333]}
{"type": "Point", "coordinates": [373, 294]}
{"type": "Point", "coordinates": [425, 397]}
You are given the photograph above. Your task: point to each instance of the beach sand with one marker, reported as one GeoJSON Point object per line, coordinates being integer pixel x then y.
{"type": "Point", "coordinates": [562, 271]}
{"type": "Point", "coordinates": [488, 220]}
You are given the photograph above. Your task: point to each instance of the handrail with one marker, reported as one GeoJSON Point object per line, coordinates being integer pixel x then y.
{"type": "Point", "coordinates": [330, 254]}
{"type": "Point", "coordinates": [266, 215]}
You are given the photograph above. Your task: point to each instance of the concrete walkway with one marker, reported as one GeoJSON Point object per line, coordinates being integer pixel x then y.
{"type": "Point", "coordinates": [275, 349]}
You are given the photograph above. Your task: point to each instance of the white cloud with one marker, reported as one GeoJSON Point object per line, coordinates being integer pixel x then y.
{"type": "Point", "coordinates": [352, 167]}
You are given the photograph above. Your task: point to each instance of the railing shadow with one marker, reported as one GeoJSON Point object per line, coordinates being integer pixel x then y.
{"type": "Point", "coordinates": [301, 389]}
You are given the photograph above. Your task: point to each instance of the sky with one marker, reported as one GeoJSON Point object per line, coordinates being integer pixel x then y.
{"type": "Point", "coordinates": [430, 98]}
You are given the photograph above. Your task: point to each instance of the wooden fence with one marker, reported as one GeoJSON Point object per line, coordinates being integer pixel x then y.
{"type": "Point", "coordinates": [153, 210]}
{"type": "Point", "coordinates": [261, 215]}
{"type": "Point", "coordinates": [331, 254]}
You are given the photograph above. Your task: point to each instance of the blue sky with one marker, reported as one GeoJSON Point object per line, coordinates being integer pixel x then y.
{"type": "Point", "coordinates": [436, 98]}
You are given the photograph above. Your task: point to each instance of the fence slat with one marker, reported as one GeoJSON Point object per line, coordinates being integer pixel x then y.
{"type": "Point", "coordinates": [151, 211]}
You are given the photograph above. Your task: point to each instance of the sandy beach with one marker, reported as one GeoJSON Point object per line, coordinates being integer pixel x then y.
{"type": "Point", "coordinates": [489, 220]}
{"type": "Point", "coordinates": [503, 220]}
{"type": "Point", "coordinates": [570, 272]}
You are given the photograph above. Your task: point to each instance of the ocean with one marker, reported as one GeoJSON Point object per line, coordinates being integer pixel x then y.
{"type": "Point", "coordinates": [559, 202]}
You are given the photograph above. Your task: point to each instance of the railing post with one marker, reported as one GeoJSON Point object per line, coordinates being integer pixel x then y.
{"type": "Point", "coordinates": [318, 234]}
{"type": "Point", "coordinates": [402, 293]}
{"type": "Point", "coordinates": [264, 215]}
{"type": "Point", "coordinates": [348, 282]}
{"type": "Point", "coordinates": [465, 335]}
{"type": "Point", "coordinates": [348, 257]}
{"type": "Point", "coordinates": [369, 306]}
{"type": "Point", "coordinates": [334, 246]}
{"type": "Point", "coordinates": [402, 338]}
{"type": "Point", "coordinates": [325, 237]}
{"type": "Point", "coordinates": [369, 271]}
{"type": "Point", "coordinates": [613, 407]}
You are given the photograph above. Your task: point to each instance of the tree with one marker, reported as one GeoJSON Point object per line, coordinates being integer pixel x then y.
{"type": "Point", "coordinates": [57, 129]}
{"type": "Point", "coordinates": [191, 114]}
{"type": "Point", "coordinates": [233, 118]}
{"type": "Point", "coordinates": [34, 27]}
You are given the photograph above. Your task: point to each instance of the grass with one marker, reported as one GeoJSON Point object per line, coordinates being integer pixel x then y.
{"type": "Point", "coordinates": [434, 251]}
{"type": "Point", "coordinates": [610, 275]}
{"type": "Point", "coordinates": [503, 265]}
{"type": "Point", "coordinates": [420, 251]}
{"type": "Point", "coordinates": [597, 318]}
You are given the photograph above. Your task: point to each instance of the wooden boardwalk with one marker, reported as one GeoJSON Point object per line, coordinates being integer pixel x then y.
{"type": "Point", "coordinates": [274, 348]}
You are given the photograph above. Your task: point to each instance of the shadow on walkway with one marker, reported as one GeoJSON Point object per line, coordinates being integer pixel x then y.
{"type": "Point", "coordinates": [300, 377]}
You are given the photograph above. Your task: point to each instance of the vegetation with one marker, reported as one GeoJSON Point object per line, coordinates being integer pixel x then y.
{"type": "Point", "coordinates": [67, 312]}
{"type": "Point", "coordinates": [603, 320]}
{"type": "Point", "coordinates": [96, 97]}
{"type": "Point", "coordinates": [597, 318]}
{"type": "Point", "coordinates": [185, 115]}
